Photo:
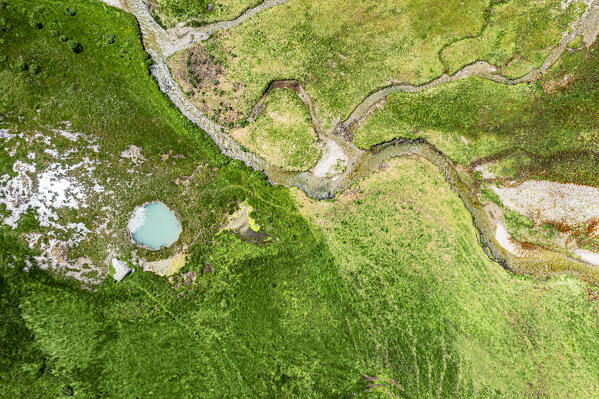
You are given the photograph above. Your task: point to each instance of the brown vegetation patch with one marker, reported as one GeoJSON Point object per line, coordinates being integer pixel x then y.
{"type": "Point", "coordinates": [202, 78]}
{"type": "Point", "coordinates": [550, 85]}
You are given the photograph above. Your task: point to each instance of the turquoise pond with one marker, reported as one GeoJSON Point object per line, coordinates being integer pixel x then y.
{"type": "Point", "coordinates": [154, 225]}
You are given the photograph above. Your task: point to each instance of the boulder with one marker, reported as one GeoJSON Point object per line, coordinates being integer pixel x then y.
{"type": "Point", "coordinates": [121, 269]}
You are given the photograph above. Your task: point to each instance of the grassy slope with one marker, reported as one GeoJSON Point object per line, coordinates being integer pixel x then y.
{"type": "Point", "coordinates": [237, 331]}
{"type": "Point", "coordinates": [368, 45]}
{"type": "Point", "coordinates": [342, 58]}
{"type": "Point", "coordinates": [282, 133]}
{"type": "Point", "coordinates": [554, 122]}
{"type": "Point", "coordinates": [171, 12]}
{"type": "Point", "coordinates": [281, 320]}
{"type": "Point", "coordinates": [517, 37]}
{"type": "Point", "coordinates": [106, 92]}
{"type": "Point", "coordinates": [460, 324]}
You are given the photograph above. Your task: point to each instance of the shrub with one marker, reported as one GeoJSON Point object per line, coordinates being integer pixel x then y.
{"type": "Point", "coordinates": [70, 11]}
{"type": "Point", "coordinates": [35, 24]}
{"type": "Point", "coordinates": [3, 58]}
{"type": "Point", "coordinates": [63, 38]}
{"type": "Point", "coordinates": [75, 46]}
{"type": "Point", "coordinates": [34, 69]}
{"type": "Point", "coordinates": [4, 25]}
{"type": "Point", "coordinates": [109, 38]}
{"type": "Point", "coordinates": [35, 19]}
{"type": "Point", "coordinates": [21, 66]}
{"type": "Point", "coordinates": [3, 4]}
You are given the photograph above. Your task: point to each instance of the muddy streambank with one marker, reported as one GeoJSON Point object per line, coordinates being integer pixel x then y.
{"type": "Point", "coordinates": [527, 259]}
{"type": "Point", "coordinates": [346, 163]}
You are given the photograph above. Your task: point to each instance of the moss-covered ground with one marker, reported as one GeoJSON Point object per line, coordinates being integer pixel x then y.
{"type": "Point", "coordinates": [282, 133]}
{"type": "Point", "coordinates": [385, 285]}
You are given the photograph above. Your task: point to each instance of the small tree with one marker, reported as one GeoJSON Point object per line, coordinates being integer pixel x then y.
{"type": "Point", "coordinates": [4, 25]}
{"type": "Point", "coordinates": [75, 46]}
{"type": "Point", "coordinates": [35, 24]}
{"type": "Point", "coordinates": [63, 38]}
{"type": "Point", "coordinates": [34, 69]}
{"type": "Point", "coordinates": [109, 38]}
{"type": "Point", "coordinates": [21, 66]}
{"type": "Point", "coordinates": [35, 17]}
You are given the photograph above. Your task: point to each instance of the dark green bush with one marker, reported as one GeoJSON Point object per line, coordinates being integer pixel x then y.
{"type": "Point", "coordinates": [3, 4]}
{"type": "Point", "coordinates": [34, 69]}
{"type": "Point", "coordinates": [4, 25]}
{"type": "Point", "coordinates": [35, 19]}
{"type": "Point", "coordinates": [21, 66]}
{"type": "Point", "coordinates": [35, 24]}
{"type": "Point", "coordinates": [63, 38]}
{"type": "Point", "coordinates": [75, 46]}
{"type": "Point", "coordinates": [70, 11]}
{"type": "Point", "coordinates": [109, 38]}
{"type": "Point", "coordinates": [3, 58]}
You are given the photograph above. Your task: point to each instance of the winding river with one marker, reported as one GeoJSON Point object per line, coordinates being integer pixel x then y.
{"type": "Point", "coordinates": [322, 181]}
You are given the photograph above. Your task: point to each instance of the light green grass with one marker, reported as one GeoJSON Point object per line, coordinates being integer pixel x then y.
{"type": "Point", "coordinates": [433, 314]}
{"type": "Point", "coordinates": [545, 130]}
{"type": "Point", "coordinates": [369, 45]}
{"type": "Point", "coordinates": [282, 133]}
{"type": "Point", "coordinates": [195, 12]}
{"type": "Point", "coordinates": [517, 38]}
{"type": "Point", "coordinates": [341, 51]}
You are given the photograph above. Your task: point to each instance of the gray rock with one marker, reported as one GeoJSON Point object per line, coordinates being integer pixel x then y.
{"type": "Point", "coordinates": [120, 269]}
{"type": "Point", "coordinates": [210, 7]}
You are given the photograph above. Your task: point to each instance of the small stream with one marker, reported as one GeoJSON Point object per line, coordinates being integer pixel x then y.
{"type": "Point", "coordinates": [358, 164]}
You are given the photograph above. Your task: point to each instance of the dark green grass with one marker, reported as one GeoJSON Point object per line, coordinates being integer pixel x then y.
{"type": "Point", "coordinates": [261, 324]}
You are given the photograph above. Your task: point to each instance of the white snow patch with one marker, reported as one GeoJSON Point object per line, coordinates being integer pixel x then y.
{"type": "Point", "coordinates": [137, 220]}
{"type": "Point", "coordinates": [485, 172]}
{"type": "Point", "coordinates": [544, 201]}
{"type": "Point", "coordinates": [114, 3]}
{"type": "Point", "coordinates": [133, 153]}
{"type": "Point", "coordinates": [52, 152]}
{"type": "Point", "coordinates": [5, 135]}
{"type": "Point", "coordinates": [73, 136]}
{"type": "Point", "coordinates": [505, 240]}
{"type": "Point", "coordinates": [44, 189]}
{"type": "Point", "coordinates": [588, 256]}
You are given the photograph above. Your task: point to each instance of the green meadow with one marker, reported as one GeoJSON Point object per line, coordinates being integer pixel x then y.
{"type": "Point", "coordinates": [383, 291]}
